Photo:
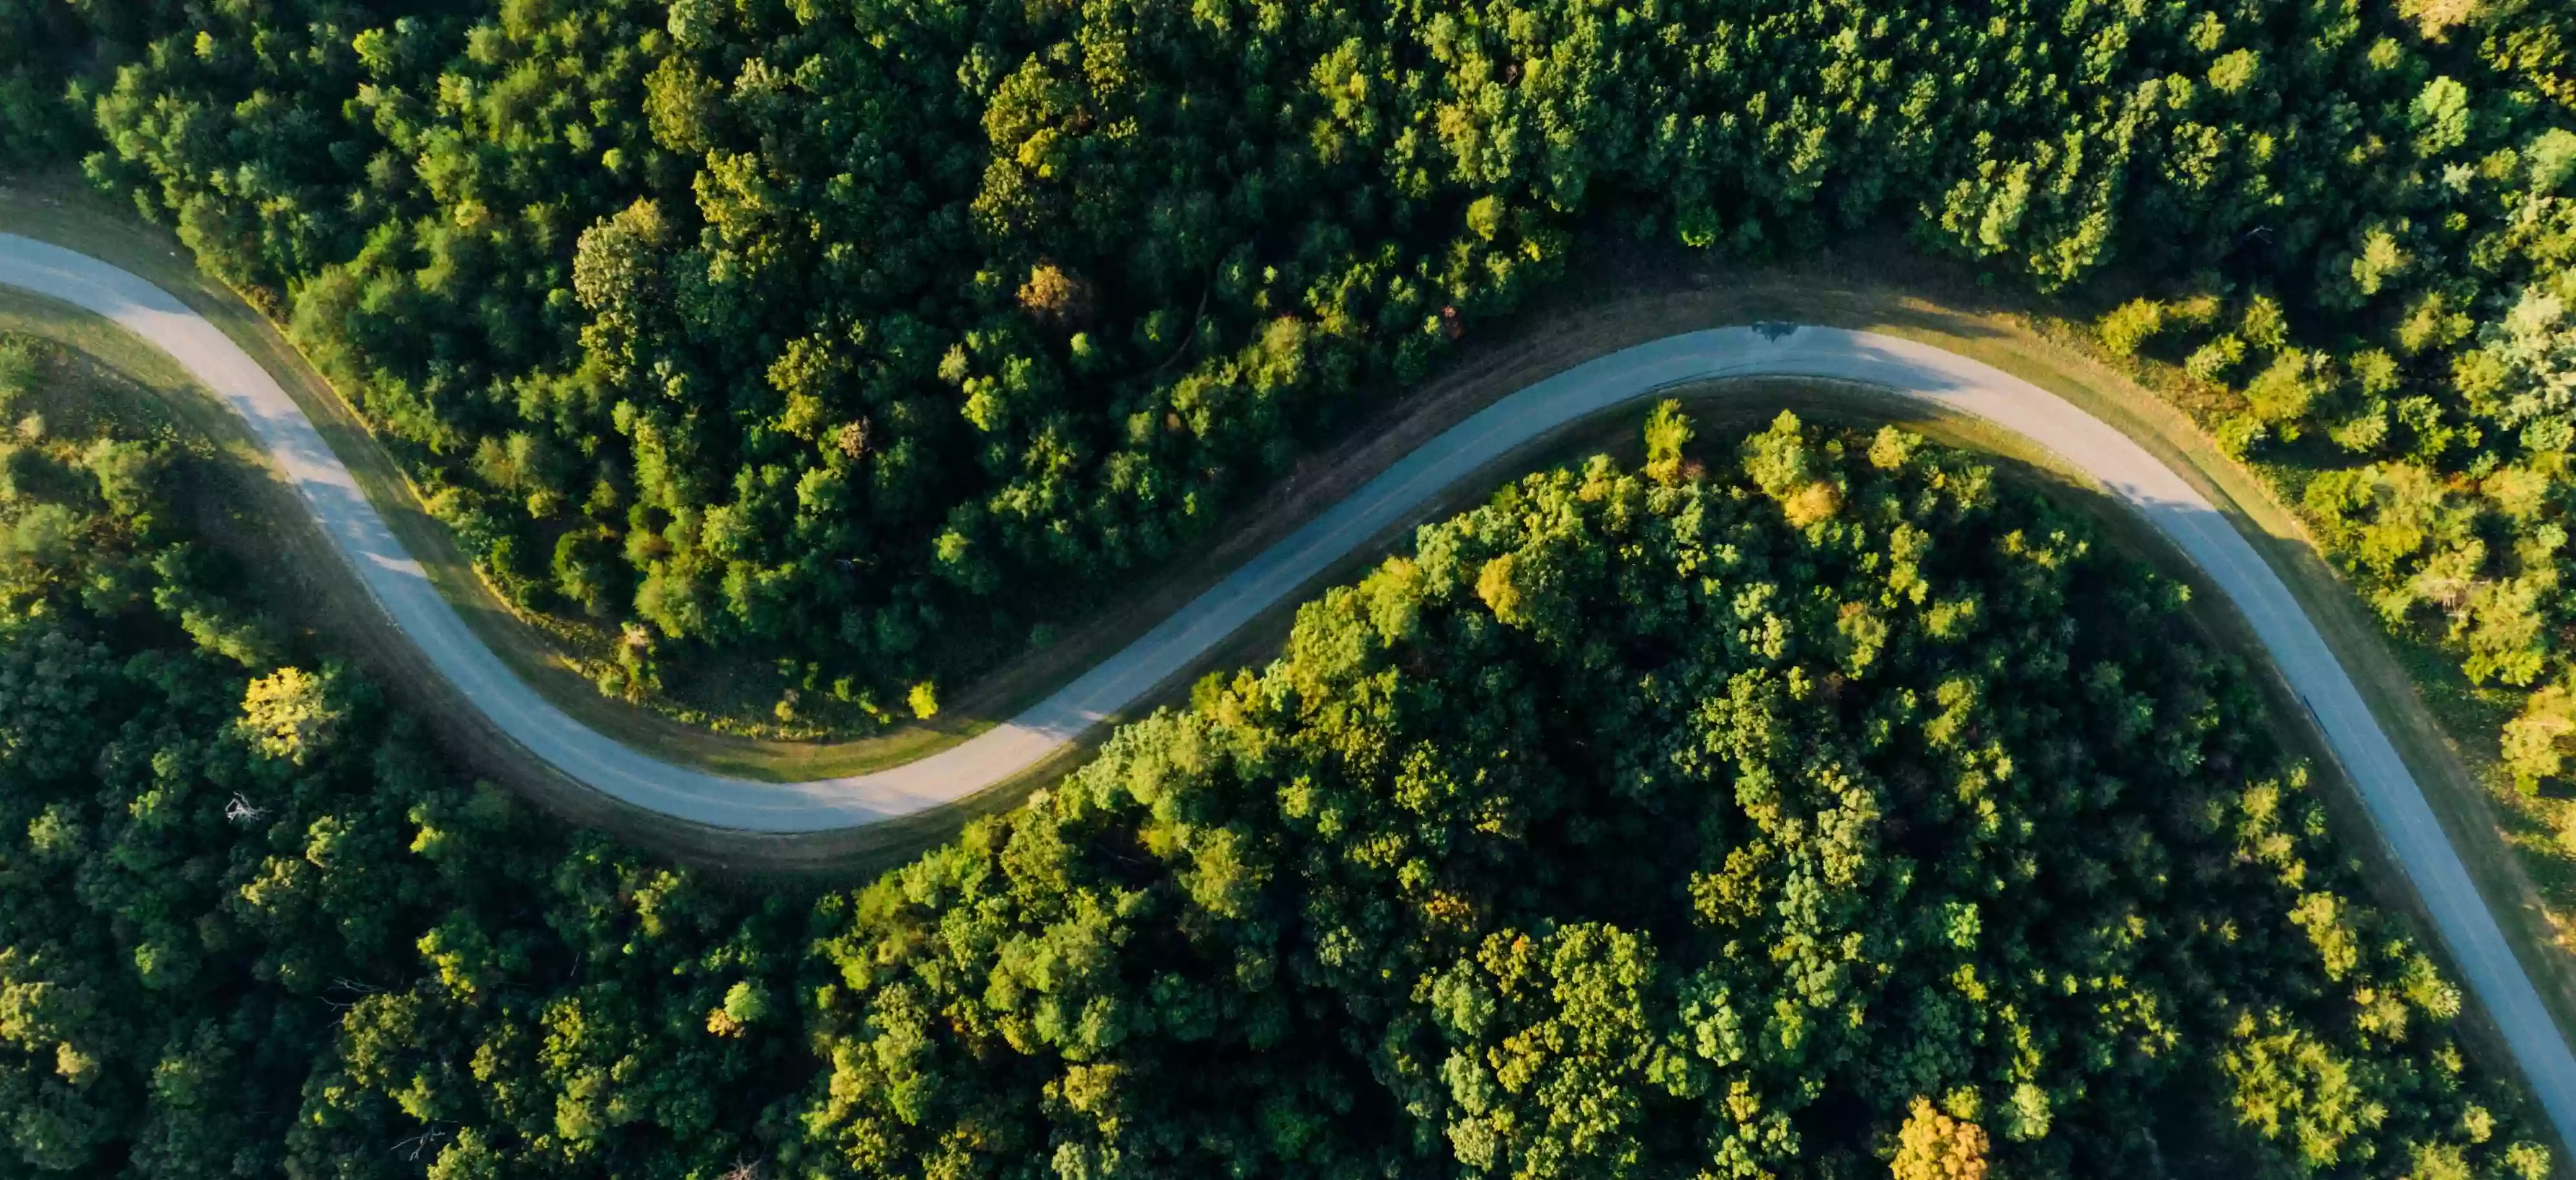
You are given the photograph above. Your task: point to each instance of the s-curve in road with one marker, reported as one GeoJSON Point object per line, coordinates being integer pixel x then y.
{"type": "Point", "coordinates": [1915, 371]}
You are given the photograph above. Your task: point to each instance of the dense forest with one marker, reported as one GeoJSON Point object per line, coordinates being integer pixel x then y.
{"type": "Point", "coordinates": [1802, 805]}
{"type": "Point", "coordinates": [788, 330]}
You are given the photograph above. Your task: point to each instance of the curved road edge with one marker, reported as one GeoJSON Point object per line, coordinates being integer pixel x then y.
{"type": "Point", "coordinates": [1914, 371]}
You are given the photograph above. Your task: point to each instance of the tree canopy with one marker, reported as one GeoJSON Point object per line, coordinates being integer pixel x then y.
{"type": "Point", "coordinates": [1816, 806]}
{"type": "Point", "coordinates": [806, 332]}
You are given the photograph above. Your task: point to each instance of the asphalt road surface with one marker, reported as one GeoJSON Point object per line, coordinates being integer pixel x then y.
{"type": "Point", "coordinates": [1912, 370]}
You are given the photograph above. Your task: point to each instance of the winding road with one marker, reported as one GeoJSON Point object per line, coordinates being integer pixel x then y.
{"type": "Point", "coordinates": [1915, 371]}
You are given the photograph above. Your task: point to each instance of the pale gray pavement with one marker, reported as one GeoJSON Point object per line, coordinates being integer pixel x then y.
{"type": "Point", "coordinates": [1915, 371]}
